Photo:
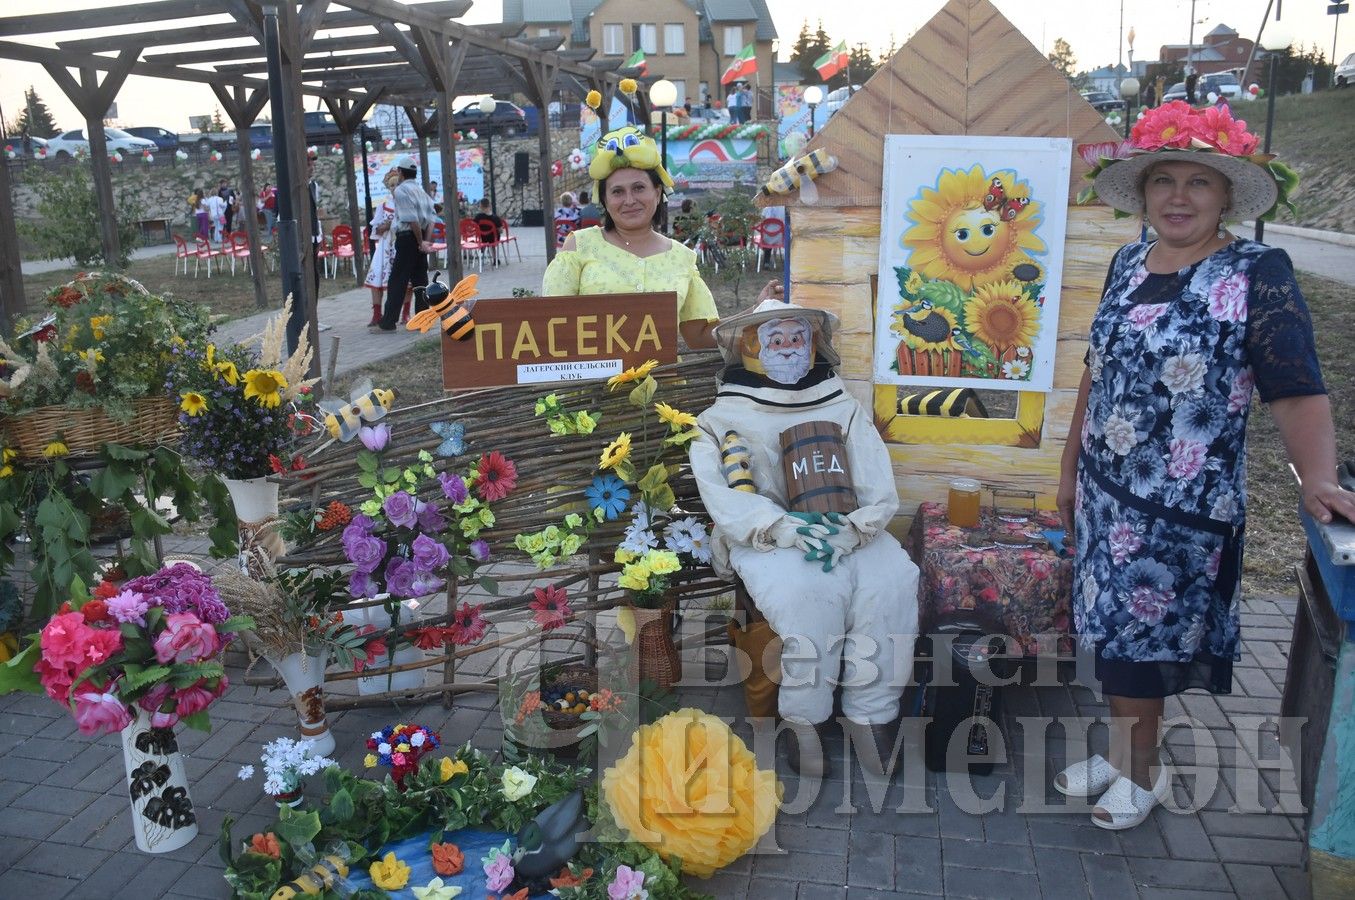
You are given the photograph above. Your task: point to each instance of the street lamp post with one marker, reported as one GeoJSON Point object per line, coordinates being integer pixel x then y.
{"type": "Point", "coordinates": [813, 96]}
{"type": "Point", "coordinates": [1129, 90]}
{"type": "Point", "coordinates": [487, 107]}
{"type": "Point", "coordinates": [663, 94]}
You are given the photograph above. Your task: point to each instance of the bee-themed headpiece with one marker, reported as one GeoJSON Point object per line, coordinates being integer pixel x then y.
{"type": "Point", "coordinates": [624, 147]}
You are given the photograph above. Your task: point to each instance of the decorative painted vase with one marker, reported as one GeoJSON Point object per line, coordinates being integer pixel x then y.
{"type": "Point", "coordinates": [256, 515]}
{"type": "Point", "coordinates": [162, 812]}
{"type": "Point", "coordinates": [305, 679]}
{"type": "Point", "coordinates": [292, 798]}
{"type": "Point", "coordinates": [407, 653]}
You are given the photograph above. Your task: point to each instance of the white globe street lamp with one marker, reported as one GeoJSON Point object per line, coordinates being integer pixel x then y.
{"type": "Point", "coordinates": [813, 96]}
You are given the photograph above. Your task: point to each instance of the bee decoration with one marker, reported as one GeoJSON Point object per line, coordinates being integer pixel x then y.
{"type": "Point", "coordinates": [368, 405]}
{"type": "Point", "coordinates": [734, 463]}
{"type": "Point", "coordinates": [800, 173]}
{"type": "Point", "coordinates": [326, 873]}
{"type": "Point", "coordinates": [456, 304]}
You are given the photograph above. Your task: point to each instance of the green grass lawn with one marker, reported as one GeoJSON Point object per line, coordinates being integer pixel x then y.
{"type": "Point", "coordinates": [1313, 133]}
{"type": "Point", "coordinates": [227, 296]}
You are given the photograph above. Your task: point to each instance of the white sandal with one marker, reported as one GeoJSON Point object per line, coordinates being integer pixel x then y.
{"type": "Point", "coordinates": [1129, 804]}
{"type": "Point", "coordinates": [1087, 778]}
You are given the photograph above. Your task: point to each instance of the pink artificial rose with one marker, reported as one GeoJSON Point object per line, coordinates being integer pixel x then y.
{"type": "Point", "coordinates": [164, 720]}
{"type": "Point", "coordinates": [152, 700]}
{"type": "Point", "coordinates": [100, 711]}
{"type": "Point", "coordinates": [186, 638]}
{"type": "Point", "coordinates": [190, 700]}
{"type": "Point", "coordinates": [64, 639]}
{"type": "Point", "coordinates": [56, 680]}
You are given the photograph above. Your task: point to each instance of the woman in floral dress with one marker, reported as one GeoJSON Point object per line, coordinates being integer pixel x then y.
{"type": "Point", "coordinates": [1155, 490]}
{"type": "Point", "coordinates": [383, 232]}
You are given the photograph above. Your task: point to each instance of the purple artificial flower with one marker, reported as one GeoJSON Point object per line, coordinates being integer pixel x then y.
{"type": "Point", "coordinates": [399, 509]}
{"type": "Point", "coordinates": [181, 588]}
{"type": "Point", "coordinates": [366, 553]}
{"type": "Point", "coordinates": [479, 550]}
{"type": "Point", "coordinates": [629, 884]}
{"type": "Point", "coordinates": [375, 437]}
{"type": "Point", "coordinates": [361, 585]}
{"type": "Point", "coordinates": [430, 519]}
{"type": "Point", "coordinates": [499, 872]}
{"type": "Point", "coordinates": [425, 583]}
{"type": "Point", "coordinates": [363, 521]}
{"type": "Point", "coordinates": [429, 554]}
{"type": "Point", "coordinates": [400, 578]}
{"type": "Point", "coordinates": [453, 487]}
{"type": "Point", "coordinates": [356, 530]}
{"type": "Point", "coordinates": [129, 607]}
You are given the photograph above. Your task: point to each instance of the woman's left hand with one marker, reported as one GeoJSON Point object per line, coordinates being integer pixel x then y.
{"type": "Point", "coordinates": [771, 289]}
{"type": "Point", "coordinates": [1323, 499]}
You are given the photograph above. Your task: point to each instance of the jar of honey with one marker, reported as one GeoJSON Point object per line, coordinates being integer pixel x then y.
{"type": "Point", "coordinates": [963, 503]}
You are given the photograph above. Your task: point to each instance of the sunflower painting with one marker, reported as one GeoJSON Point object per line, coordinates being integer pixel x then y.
{"type": "Point", "coordinates": [972, 236]}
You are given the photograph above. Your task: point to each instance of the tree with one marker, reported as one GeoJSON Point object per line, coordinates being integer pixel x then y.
{"type": "Point", "coordinates": [217, 124]}
{"type": "Point", "coordinates": [36, 117]}
{"type": "Point", "coordinates": [861, 64]}
{"type": "Point", "coordinates": [67, 205]}
{"type": "Point", "coordinates": [1063, 58]}
{"type": "Point", "coordinates": [809, 47]}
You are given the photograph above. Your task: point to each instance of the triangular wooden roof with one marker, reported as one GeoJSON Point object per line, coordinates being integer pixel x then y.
{"type": "Point", "coordinates": [967, 71]}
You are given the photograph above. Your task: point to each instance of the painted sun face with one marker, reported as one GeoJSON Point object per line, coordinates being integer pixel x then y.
{"type": "Point", "coordinates": [974, 228]}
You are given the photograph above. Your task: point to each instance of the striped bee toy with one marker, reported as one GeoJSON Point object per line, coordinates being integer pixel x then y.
{"type": "Point", "coordinates": [735, 463]}
{"type": "Point", "coordinates": [456, 304]}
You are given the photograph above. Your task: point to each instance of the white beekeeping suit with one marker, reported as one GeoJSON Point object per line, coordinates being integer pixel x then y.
{"type": "Point", "coordinates": [841, 594]}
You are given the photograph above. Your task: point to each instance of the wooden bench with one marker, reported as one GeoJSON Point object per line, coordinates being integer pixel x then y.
{"type": "Point", "coordinates": [159, 226]}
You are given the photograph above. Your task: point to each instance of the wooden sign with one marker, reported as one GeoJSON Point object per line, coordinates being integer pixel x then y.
{"type": "Point", "coordinates": [814, 461]}
{"type": "Point", "coordinates": [543, 340]}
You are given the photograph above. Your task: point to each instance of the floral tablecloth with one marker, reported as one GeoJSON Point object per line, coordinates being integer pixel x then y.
{"type": "Point", "coordinates": [1005, 570]}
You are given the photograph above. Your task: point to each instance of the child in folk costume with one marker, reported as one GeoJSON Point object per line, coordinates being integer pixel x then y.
{"type": "Point", "coordinates": [382, 231]}
{"type": "Point", "coordinates": [827, 582]}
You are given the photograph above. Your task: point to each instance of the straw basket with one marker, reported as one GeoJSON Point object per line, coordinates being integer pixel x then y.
{"type": "Point", "coordinates": [155, 420]}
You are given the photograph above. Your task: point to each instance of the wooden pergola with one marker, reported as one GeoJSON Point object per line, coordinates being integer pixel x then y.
{"type": "Point", "coordinates": [411, 56]}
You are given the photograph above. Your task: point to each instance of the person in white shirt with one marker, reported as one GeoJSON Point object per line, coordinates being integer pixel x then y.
{"type": "Point", "coordinates": [216, 215]}
{"type": "Point", "coordinates": [414, 218]}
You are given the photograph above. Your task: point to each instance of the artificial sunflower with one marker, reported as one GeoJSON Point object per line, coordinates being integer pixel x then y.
{"type": "Point", "coordinates": [630, 375]}
{"type": "Point", "coordinates": [617, 452]}
{"type": "Point", "coordinates": [228, 372]}
{"type": "Point", "coordinates": [675, 418]}
{"type": "Point", "coordinates": [1003, 316]}
{"type": "Point", "coordinates": [193, 403]}
{"type": "Point", "coordinates": [6, 462]}
{"type": "Point", "coordinates": [97, 324]}
{"type": "Point", "coordinates": [969, 232]}
{"type": "Point", "coordinates": [266, 385]}
{"type": "Point", "coordinates": [55, 449]}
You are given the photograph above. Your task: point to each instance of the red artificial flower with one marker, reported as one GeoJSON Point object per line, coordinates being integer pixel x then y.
{"type": "Point", "coordinates": [567, 879]}
{"type": "Point", "coordinates": [45, 334]}
{"type": "Point", "coordinates": [66, 297]}
{"type": "Point", "coordinates": [95, 611]}
{"type": "Point", "coordinates": [372, 649]}
{"type": "Point", "coordinates": [551, 607]}
{"type": "Point", "coordinates": [275, 464]}
{"type": "Point", "coordinates": [604, 701]}
{"type": "Point", "coordinates": [1217, 128]}
{"type": "Point", "coordinates": [498, 476]}
{"type": "Point", "coordinates": [448, 859]}
{"type": "Point", "coordinates": [426, 638]}
{"type": "Point", "coordinates": [267, 844]}
{"type": "Point", "coordinates": [530, 704]}
{"type": "Point", "coordinates": [1170, 126]}
{"type": "Point", "coordinates": [335, 514]}
{"type": "Point", "coordinates": [84, 382]}
{"type": "Point", "coordinates": [104, 590]}
{"type": "Point", "coordinates": [468, 625]}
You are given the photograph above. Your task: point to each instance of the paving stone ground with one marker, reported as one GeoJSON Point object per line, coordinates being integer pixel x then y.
{"type": "Point", "coordinates": [64, 832]}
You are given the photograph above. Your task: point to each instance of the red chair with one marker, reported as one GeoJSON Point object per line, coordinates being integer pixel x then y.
{"type": "Point", "coordinates": [181, 252]}
{"type": "Point", "coordinates": [324, 251]}
{"type": "Point", "coordinates": [239, 249]}
{"type": "Point", "coordinates": [439, 242]}
{"type": "Point", "coordinates": [343, 249]}
{"type": "Point", "coordinates": [203, 250]}
{"type": "Point", "coordinates": [769, 237]}
{"type": "Point", "coordinates": [365, 247]}
{"type": "Point", "coordinates": [563, 228]}
{"type": "Point", "coordinates": [488, 236]}
{"type": "Point", "coordinates": [505, 239]}
{"type": "Point", "coordinates": [589, 223]}
{"type": "Point", "coordinates": [470, 239]}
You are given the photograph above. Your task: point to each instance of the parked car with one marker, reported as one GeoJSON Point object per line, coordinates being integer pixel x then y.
{"type": "Point", "coordinates": [1345, 72]}
{"type": "Point", "coordinates": [322, 130]}
{"type": "Point", "coordinates": [70, 142]}
{"type": "Point", "coordinates": [1225, 84]}
{"type": "Point", "coordinates": [507, 118]}
{"type": "Point", "coordinates": [164, 138]}
{"type": "Point", "coordinates": [16, 141]}
{"type": "Point", "coordinates": [261, 136]}
{"type": "Point", "coordinates": [1104, 101]}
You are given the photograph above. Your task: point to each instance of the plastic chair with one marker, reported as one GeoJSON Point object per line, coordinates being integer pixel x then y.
{"type": "Point", "coordinates": [239, 249]}
{"type": "Point", "coordinates": [439, 242]}
{"type": "Point", "coordinates": [505, 238]}
{"type": "Point", "coordinates": [181, 252]}
{"type": "Point", "coordinates": [343, 249]}
{"type": "Point", "coordinates": [470, 238]}
{"type": "Point", "coordinates": [489, 240]}
{"type": "Point", "coordinates": [589, 223]}
{"type": "Point", "coordinates": [324, 251]}
{"type": "Point", "coordinates": [769, 237]}
{"type": "Point", "coordinates": [203, 250]}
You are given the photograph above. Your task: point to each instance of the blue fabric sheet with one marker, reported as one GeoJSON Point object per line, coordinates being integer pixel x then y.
{"type": "Point", "coordinates": [413, 852]}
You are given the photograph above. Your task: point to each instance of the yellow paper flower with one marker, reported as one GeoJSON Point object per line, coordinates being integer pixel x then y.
{"type": "Point", "coordinates": [634, 577]}
{"type": "Point", "coordinates": [388, 873]}
{"type": "Point", "coordinates": [1002, 315]}
{"type": "Point", "coordinates": [210, 359]}
{"type": "Point", "coordinates": [228, 372]}
{"type": "Point", "coordinates": [517, 783]}
{"type": "Point", "coordinates": [266, 385]}
{"type": "Point", "coordinates": [624, 556]}
{"type": "Point", "coordinates": [55, 449]}
{"type": "Point", "coordinates": [6, 458]}
{"type": "Point", "coordinates": [449, 768]}
{"type": "Point", "coordinates": [625, 620]}
{"type": "Point", "coordinates": [676, 419]}
{"type": "Point", "coordinates": [370, 760]}
{"type": "Point", "coordinates": [617, 452]}
{"type": "Point", "coordinates": [662, 562]}
{"type": "Point", "coordinates": [594, 99]}
{"type": "Point", "coordinates": [193, 403]}
{"type": "Point", "coordinates": [689, 787]}
{"type": "Point", "coordinates": [436, 890]}
{"type": "Point", "coordinates": [630, 375]}
{"type": "Point", "coordinates": [628, 86]}
{"type": "Point", "coordinates": [97, 325]}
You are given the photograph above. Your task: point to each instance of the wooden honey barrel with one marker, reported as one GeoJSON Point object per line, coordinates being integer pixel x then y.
{"type": "Point", "coordinates": [818, 477]}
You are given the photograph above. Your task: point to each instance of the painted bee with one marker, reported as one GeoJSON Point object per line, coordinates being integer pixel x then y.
{"type": "Point", "coordinates": [342, 420]}
{"type": "Point", "coordinates": [735, 463]}
{"type": "Point", "coordinates": [799, 173]}
{"type": "Point", "coordinates": [456, 303]}
{"type": "Point", "coordinates": [327, 872]}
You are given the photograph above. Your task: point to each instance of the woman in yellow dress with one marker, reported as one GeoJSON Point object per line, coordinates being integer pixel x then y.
{"type": "Point", "coordinates": [627, 253]}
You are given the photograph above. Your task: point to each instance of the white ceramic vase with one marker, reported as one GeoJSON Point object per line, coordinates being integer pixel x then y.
{"type": "Point", "coordinates": [407, 653]}
{"type": "Point", "coordinates": [305, 679]}
{"type": "Point", "coordinates": [256, 514]}
{"type": "Point", "coordinates": [162, 812]}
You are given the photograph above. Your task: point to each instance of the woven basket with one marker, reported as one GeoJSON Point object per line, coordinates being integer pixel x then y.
{"type": "Point", "coordinates": [579, 676]}
{"type": "Point", "coordinates": [155, 420]}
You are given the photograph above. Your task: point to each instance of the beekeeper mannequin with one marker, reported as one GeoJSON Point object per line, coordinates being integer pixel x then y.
{"type": "Point", "coordinates": [836, 587]}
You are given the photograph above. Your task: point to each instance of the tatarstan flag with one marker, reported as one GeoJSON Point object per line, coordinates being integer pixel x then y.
{"type": "Point", "coordinates": [637, 61]}
{"type": "Point", "coordinates": [744, 64]}
{"type": "Point", "coordinates": [833, 61]}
